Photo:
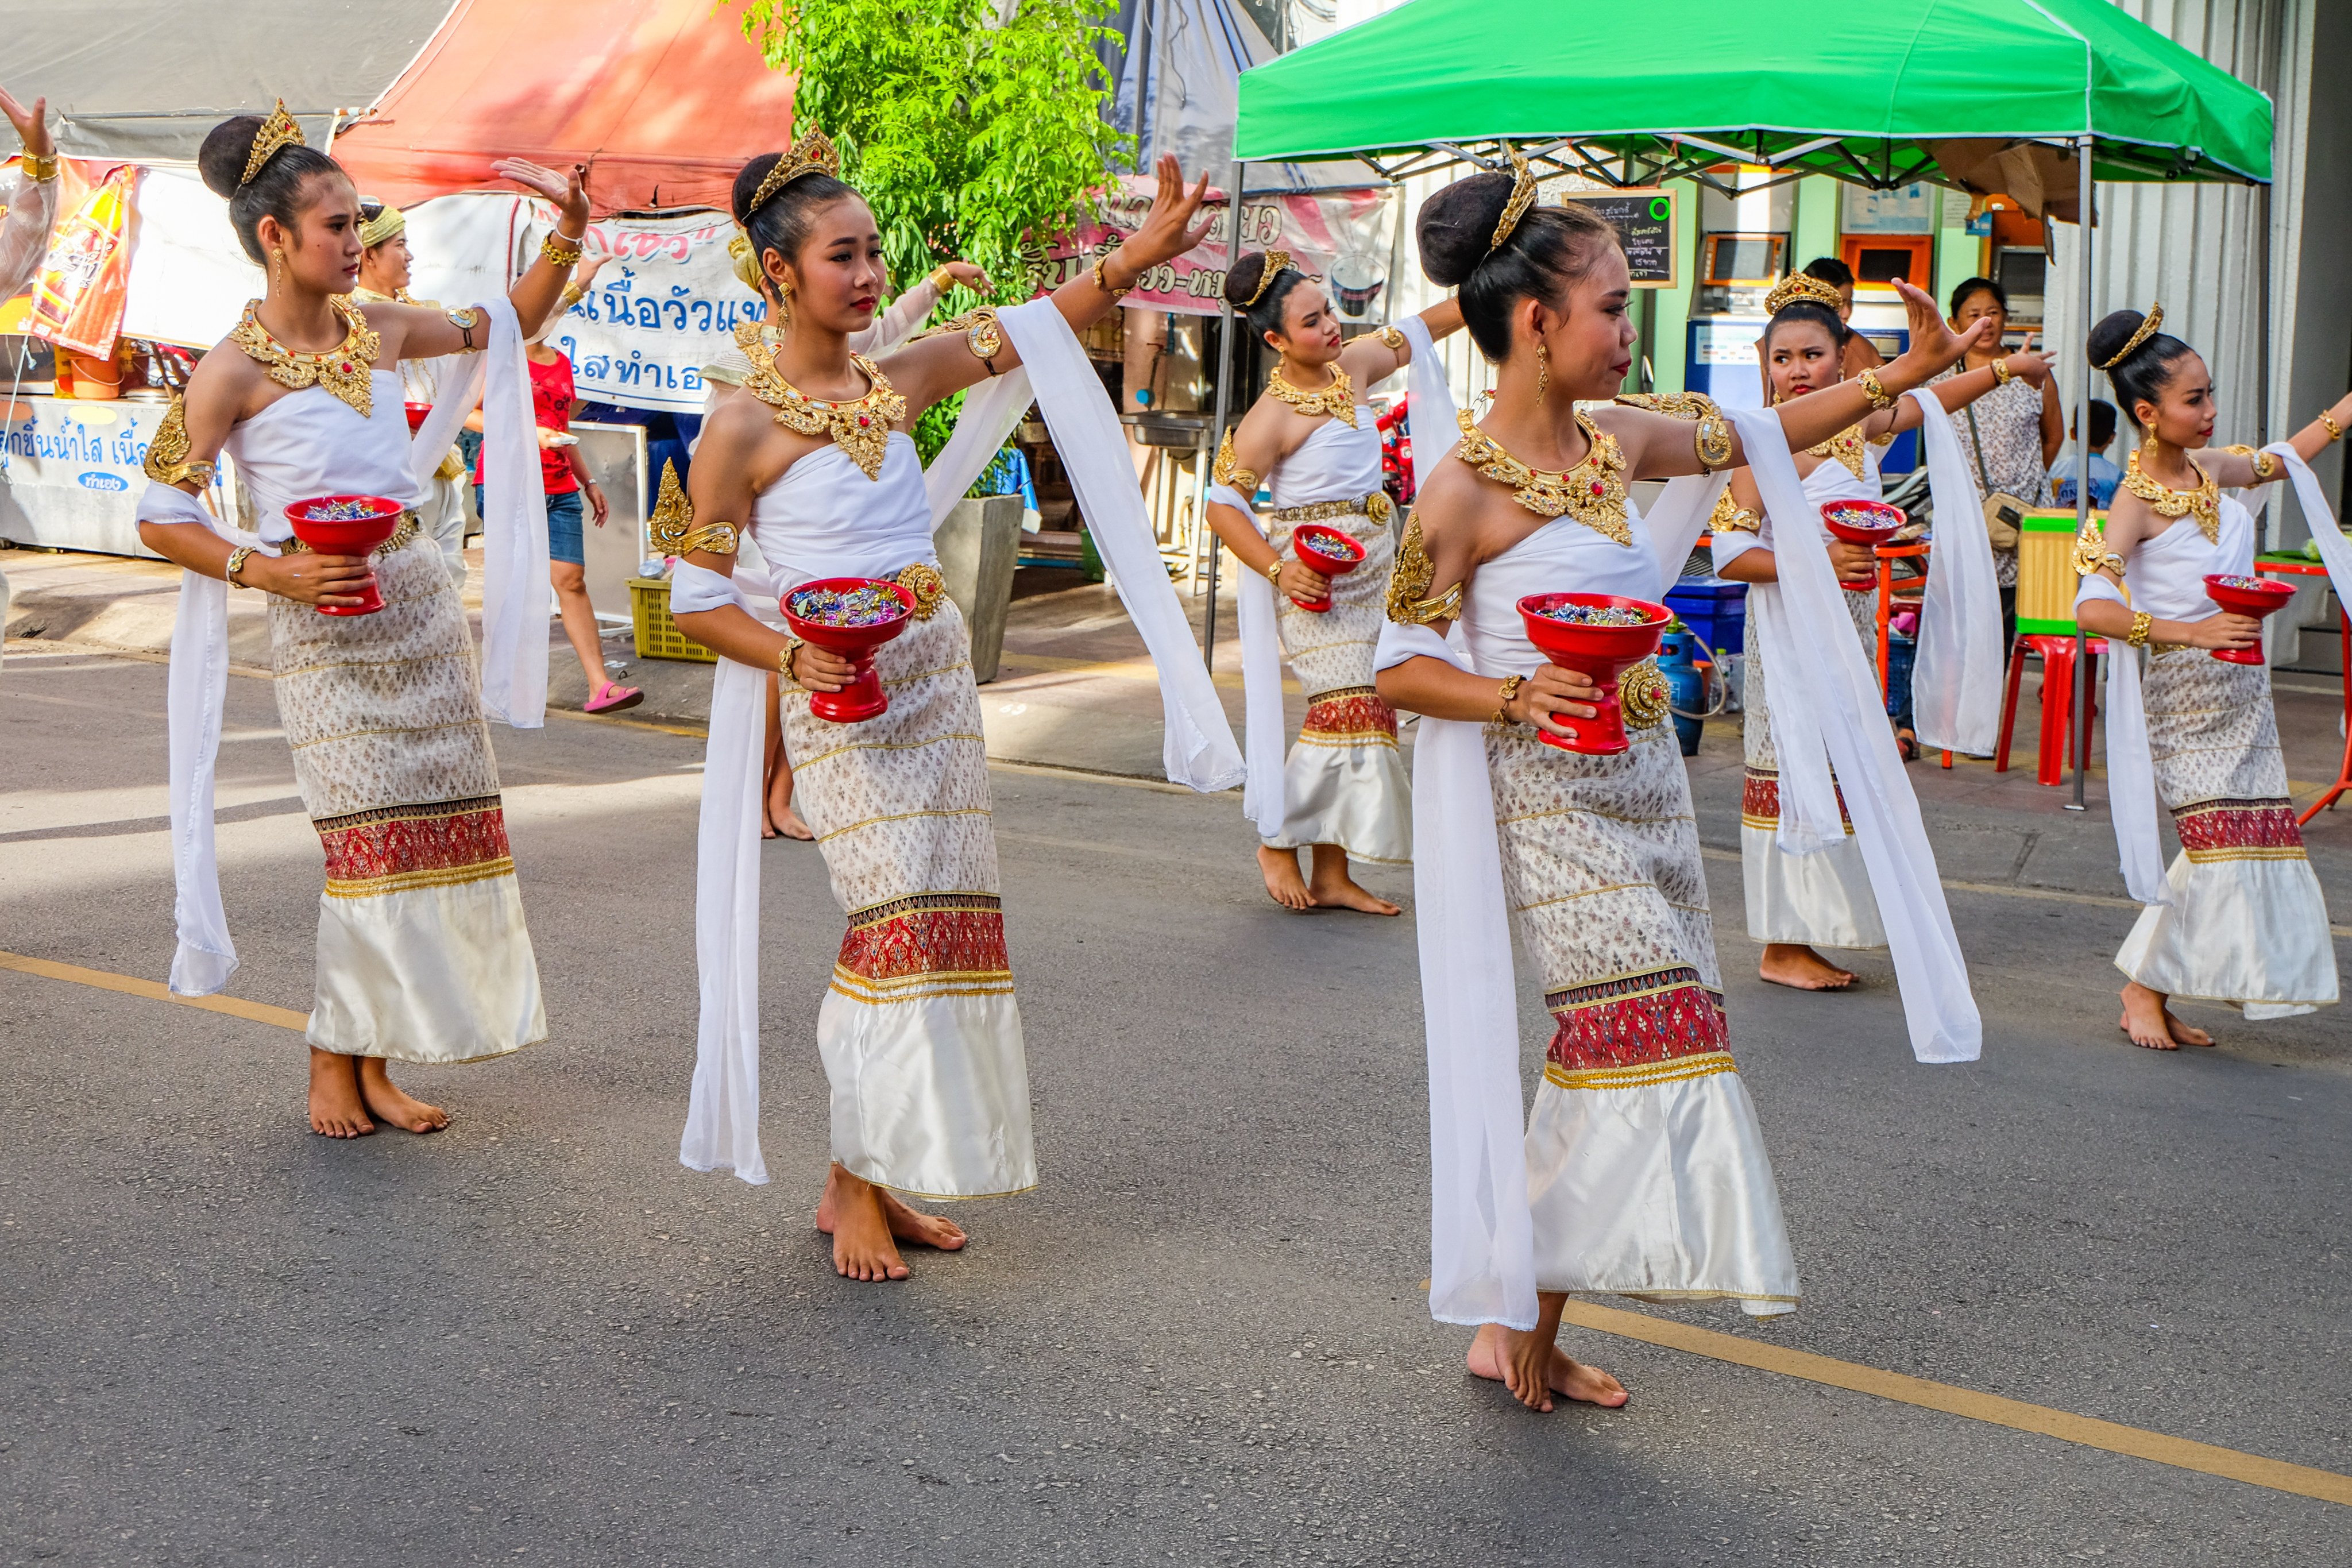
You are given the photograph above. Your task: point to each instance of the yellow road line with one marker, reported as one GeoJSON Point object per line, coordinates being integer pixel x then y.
{"type": "Point", "coordinates": [155, 991]}
{"type": "Point", "coordinates": [2154, 1447]}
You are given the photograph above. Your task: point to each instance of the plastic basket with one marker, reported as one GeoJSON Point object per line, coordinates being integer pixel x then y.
{"type": "Point", "coordinates": [657, 634]}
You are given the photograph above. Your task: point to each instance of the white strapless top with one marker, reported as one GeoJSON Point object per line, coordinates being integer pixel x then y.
{"type": "Point", "coordinates": [311, 443]}
{"type": "Point", "coordinates": [2167, 574]}
{"type": "Point", "coordinates": [826, 518]}
{"type": "Point", "coordinates": [1563, 556]}
{"type": "Point", "coordinates": [1336, 462]}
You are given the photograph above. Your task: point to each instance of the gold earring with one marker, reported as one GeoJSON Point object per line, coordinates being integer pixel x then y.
{"type": "Point", "coordinates": [1543, 368]}
{"type": "Point", "coordinates": [783, 306]}
{"type": "Point", "coordinates": [277, 261]}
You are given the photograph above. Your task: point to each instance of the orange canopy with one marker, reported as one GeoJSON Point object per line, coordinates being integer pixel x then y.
{"type": "Point", "coordinates": [663, 100]}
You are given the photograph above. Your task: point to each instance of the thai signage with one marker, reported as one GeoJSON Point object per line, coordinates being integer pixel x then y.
{"type": "Point", "coordinates": [1321, 233]}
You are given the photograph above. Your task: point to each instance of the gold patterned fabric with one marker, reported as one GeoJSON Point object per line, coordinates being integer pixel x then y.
{"type": "Point", "coordinates": [424, 954]}
{"type": "Point", "coordinates": [1592, 492]}
{"type": "Point", "coordinates": [1375, 506]}
{"type": "Point", "coordinates": [860, 426]}
{"type": "Point", "coordinates": [343, 371]}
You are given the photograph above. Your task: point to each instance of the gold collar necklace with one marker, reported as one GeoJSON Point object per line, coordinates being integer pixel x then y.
{"type": "Point", "coordinates": [860, 426]}
{"type": "Point", "coordinates": [1337, 399]}
{"type": "Point", "coordinates": [1846, 447]}
{"type": "Point", "coordinates": [1593, 491]}
{"type": "Point", "coordinates": [342, 372]}
{"type": "Point", "coordinates": [2203, 503]}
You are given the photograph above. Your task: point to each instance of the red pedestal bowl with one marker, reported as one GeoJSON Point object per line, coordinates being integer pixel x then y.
{"type": "Point", "coordinates": [2255, 597]}
{"type": "Point", "coordinates": [812, 620]}
{"type": "Point", "coordinates": [1602, 652]}
{"type": "Point", "coordinates": [1872, 522]}
{"type": "Point", "coordinates": [1324, 550]}
{"type": "Point", "coordinates": [346, 525]}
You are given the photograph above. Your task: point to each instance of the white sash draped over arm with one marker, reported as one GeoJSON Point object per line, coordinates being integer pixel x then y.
{"type": "Point", "coordinates": [1429, 423]}
{"type": "Point", "coordinates": [722, 1114]}
{"type": "Point", "coordinates": [1481, 1231]}
{"type": "Point", "coordinates": [1198, 748]}
{"type": "Point", "coordinates": [196, 690]}
{"type": "Point", "coordinates": [1955, 683]}
{"type": "Point", "coordinates": [514, 524]}
{"type": "Point", "coordinates": [1263, 733]}
{"type": "Point", "coordinates": [1827, 687]}
{"type": "Point", "coordinates": [2335, 549]}
{"type": "Point", "coordinates": [2131, 771]}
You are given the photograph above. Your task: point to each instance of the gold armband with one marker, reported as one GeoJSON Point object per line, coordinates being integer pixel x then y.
{"type": "Point", "coordinates": [671, 525]}
{"type": "Point", "coordinates": [1409, 604]}
{"type": "Point", "coordinates": [40, 168]}
{"type": "Point", "coordinates": [2091, 553]}
{"type": "Point", "coordinates": [1874, 389]}
{"type": "Point", "coordinates": [2265, 464]}
{"type": "Point", "coordinates": [1502, 695]}
{"type": "Point", "coordinates": [1227, 471]}
{"type": "Point", "coordinates": [1712, 439]}
{"type": "Point", "coordinates": [982, 334]}
{"type": "Point", "coordinates": [1390, 338]}
{"type": "Point", "coordinates": [1730, 517]}
{"type": "Point", "coordinates": [466, 318]}
{"type": "Point", "coordinates": [167, 461]}
{"type": "Point", "coordinates": [941, 278]}
{"type": "Point", "coordinates": [2141, 621]}
{"type": "Point", "coordinates": [558, 249]}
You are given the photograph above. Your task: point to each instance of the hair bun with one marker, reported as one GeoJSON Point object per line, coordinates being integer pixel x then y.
{"type": "Point", "coordinates": [1242, 280]}
{"type": "Point", "coordinates": [2113, 332]}
{"type": "Point", "coordinates": [220, 160]}
{"type": "Point", "coordinates": [1456, 229]}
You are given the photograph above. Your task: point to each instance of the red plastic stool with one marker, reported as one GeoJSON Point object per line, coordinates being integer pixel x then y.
{"type": "Point", "coordinates": [2057, 745]}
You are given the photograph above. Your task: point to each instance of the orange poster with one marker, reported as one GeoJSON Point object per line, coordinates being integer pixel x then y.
{"type": "Point", "coordinates": [77, 299]}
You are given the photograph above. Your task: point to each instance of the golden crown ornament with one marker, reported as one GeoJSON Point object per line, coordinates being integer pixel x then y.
{"type": "Point", "coordinates": [2149, 326]}
{"type": "Point", "coordinates": [814, 154]}
{"type": "Point", "coordinates": [276, 134]}
{"type": "Point", "coordinates": [1805, 287]}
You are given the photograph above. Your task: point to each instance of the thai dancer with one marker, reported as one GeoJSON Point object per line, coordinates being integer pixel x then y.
{"type": "Point", "coordinates": [1342, 793]}
{"type": "Point", "coordinates": [423, 953]}
{"type": "Point", "coordinates": [1642, 1171]}
{"type": "Point", "coordinates": [1799, 904]}
{"type": "Point", "coordinates": [919, 1032]}
{"type": "Point", "coordinates": [384, 264]}
{"type": "Point", "coordinates": [2239, 917]}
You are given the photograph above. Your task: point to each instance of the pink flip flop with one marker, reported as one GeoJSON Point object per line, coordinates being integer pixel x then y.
{"type": "Point", "coordinates": [610, 698]}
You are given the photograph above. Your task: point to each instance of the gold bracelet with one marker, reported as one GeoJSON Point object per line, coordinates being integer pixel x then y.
{"type": "Point", "coordinates": [1273, 573]}
{"type": "Point", "coordinates": [2141, 621]}
{"type": "Point", "coordinates": [1102, 280]}
{"type": "Point", "coordinates": [2001, 374]}
{"type": "Point", "coordinates": [784, 661]}
{"type": "Point", "coordinates": [560, 249]}
{"type": "Point", "coordinates": [941, 278]}
{"type": "Point", "coordinates": [237, 559]}
{"type": "Point", "coordinates": [1875, 390]}
{"type": "Point", "coordinates": [40, 167]}
{"type": "Point", "coordinates": [1713, 440]}
{"type": "Point", "coordinates": [1502, 695]}
{"type": "Point", "coordinates": [2334, 431]}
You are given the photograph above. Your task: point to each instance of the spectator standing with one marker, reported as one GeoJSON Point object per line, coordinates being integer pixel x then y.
{"type": "Point", "coordinates": [564, 473]}
{"type": "Point", "coordinates": [2104, 475]}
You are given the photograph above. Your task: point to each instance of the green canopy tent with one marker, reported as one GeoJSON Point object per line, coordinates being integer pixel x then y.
{"type": "Point", "coordinates": [1978, 94]}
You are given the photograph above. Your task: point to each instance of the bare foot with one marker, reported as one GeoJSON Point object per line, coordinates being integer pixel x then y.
{"type": "Point", "coordinates": [1333, 888]}
{"type": "Point", "coordinates": [1283, 885]}
{"type": "Point", "coordinates": [1794, 965]}
{"type": "Point", "coordinates": [912, 1224]}
{"type": "Point", "coordinates": [852, 1212]}
{"type": "Point", "coordinates": [780, 819]}
{"type": "Point", "coordinates": [2154, 1025]}
{"type": "Point", "coordinates": [1515, 1359]}
{"type": "Point", "coordinates": [336, 1109]}
{"type": "Point", "coordinates": [404, 1112]}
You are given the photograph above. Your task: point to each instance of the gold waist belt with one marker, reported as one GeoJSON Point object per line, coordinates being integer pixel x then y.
{"type": "Point", "coordinates": [399, 540]}
{"type": "Point", "coordinates": [1374, 506]}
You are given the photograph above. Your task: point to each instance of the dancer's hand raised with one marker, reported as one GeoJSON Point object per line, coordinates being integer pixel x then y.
{"type": "Point", "coordinates": [569, 192]}
{"type": "Point", "coordinates": [1934, 344]}
{"type": "Point", "coordinates": [32, 124]}
{"type": "Point", "coordinates": [1168, 229]}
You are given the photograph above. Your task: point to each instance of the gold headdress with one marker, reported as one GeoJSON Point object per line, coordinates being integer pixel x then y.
{"type": "Point", "coordinates": [1801, 286]}
{"type": "Point", "coordinates": [1523, 196]}
{"type": "Point", "coordinates": [812, 154]}
{"type": "Point", "coordinates": [745, 260]}
{"type": "Point", "coordinates": [1275, 260]}
{"type": "Point", "coordinates": [387, 222]}
{"type": "Point", "coordinates": [2147, 329]}
{"type": "Point", "coordinates": [277, 133]}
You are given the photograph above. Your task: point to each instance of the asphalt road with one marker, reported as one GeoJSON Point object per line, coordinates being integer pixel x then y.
{"type": "Point", "coordinates": [537, 1338]}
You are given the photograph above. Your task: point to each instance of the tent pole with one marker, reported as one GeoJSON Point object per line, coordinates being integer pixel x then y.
{"type": "Point", "coordinates": [1225, 395]}
{"type": "Point", "coordinates": [2083, 475]}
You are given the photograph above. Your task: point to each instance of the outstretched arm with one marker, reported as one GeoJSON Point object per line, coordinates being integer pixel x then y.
{"type": "Point", "coordinates": [2238, 467]}
{"type": "Point", "coordinates": [25, 238]}
{"type": "Point", "coordinates": [1376, 356]}
{"type": "Point", "coordinates": [1956, 393]}
{"type": "Point", "coordinates": [414, 334]}
{"type": "Point", "coordinates": [943, 365]}
{"type": "Point", "coordinates": [2130, 522]}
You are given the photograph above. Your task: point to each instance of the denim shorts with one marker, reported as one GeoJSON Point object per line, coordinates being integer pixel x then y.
{"type": "Point", "coordinates": [563, 541]}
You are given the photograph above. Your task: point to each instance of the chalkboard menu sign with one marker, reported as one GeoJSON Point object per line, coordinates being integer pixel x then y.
{"type": "Point", "coordinates": [1643, 217]}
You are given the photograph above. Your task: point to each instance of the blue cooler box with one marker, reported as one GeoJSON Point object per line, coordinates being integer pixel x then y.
{"type": "Point", "coordinates": [1715, 609]}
